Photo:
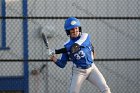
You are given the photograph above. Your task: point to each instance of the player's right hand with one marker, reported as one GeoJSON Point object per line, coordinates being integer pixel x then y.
{"type": "Point", "coordinates": [53, 58]}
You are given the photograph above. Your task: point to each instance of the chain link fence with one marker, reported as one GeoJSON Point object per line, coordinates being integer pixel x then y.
{"type": "Point", "coordinates": [114, 27]}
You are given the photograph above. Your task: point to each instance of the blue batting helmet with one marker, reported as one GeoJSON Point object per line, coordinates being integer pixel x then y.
{"type": "Point", "coordinates": [71, 23]}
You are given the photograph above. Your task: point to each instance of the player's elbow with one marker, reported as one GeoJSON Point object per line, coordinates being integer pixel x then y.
{"type": "Point", "coordinates": [62, 66]}
{"type": "Point", "coordinates": [61, 63]}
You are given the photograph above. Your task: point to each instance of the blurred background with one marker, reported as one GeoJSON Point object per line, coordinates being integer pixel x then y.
{"type": "Point", "coordinates": [114, 27]}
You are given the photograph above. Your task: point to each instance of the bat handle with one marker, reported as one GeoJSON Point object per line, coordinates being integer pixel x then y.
{"type": "Point", "coordinates": [42, 67]}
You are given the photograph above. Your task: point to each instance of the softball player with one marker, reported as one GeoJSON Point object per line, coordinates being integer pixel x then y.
{"type": "Point", "coordinates": [81, 52]}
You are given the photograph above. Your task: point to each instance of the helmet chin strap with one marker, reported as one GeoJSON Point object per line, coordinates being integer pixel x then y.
{"type": "Point", "coordinates": [80, 33]}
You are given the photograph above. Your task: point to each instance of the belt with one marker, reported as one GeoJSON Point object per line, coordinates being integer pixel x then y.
{"type": "Point", "coordinates": [84, 67]}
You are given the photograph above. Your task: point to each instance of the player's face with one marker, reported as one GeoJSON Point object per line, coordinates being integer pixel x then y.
{"type": "Point", "coordinates": [74, 32]}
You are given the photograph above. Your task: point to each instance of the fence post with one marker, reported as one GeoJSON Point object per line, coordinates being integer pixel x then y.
{"type": "Point", "coordinates": [3, 26]}
{"type": "Point", "coordinates": [25, 45]}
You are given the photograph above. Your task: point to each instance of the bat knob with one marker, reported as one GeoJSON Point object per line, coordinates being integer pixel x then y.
{"type": "Point", "coordinates": [34, 72]}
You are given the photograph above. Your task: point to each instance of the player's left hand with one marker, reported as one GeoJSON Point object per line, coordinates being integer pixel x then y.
{"type": "Point", "coordinates": [51, 52]}
{"type": "Point", "coordinates": [52, 55]}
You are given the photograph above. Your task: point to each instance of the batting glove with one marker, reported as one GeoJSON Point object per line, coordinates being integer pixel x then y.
{"type": "Point", "coordinates": [51, 52]}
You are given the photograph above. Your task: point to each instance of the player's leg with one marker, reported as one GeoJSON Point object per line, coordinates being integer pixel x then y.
{"type": "Point", "coordinates": [98, 80]}
{"type": "Point", "coordinates": [78, 76]}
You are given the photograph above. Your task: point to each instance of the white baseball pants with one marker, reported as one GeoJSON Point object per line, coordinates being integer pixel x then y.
{"type": "Point", "coordinates": [91, 74]}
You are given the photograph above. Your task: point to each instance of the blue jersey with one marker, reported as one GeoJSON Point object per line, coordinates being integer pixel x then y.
{"type": "Point", "coordinates": [81, 58]}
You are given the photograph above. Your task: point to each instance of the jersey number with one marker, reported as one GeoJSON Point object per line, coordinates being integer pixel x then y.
{"type": "Point", "coordinates": [79, 55]}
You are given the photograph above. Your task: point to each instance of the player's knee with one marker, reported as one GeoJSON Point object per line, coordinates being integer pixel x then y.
{"type": "Point", "coordinates": [107, 90]}
{"type": "Point", "coordinates": [74, 91]}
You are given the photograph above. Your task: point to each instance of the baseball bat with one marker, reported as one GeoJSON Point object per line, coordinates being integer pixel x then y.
{"type": "Point", "coordinates": [57, 51]}
{"type": "Point", "coordinates": [42, 67]}
{"type": "Point", "coordinates": [45, 41]}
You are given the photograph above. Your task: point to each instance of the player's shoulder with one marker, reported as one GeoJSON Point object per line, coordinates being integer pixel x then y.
{"type": "Point", "coordinates": [68, 42]}
{"type": "Point", "coordinates": [84, 34]}
{"type": "Point", "coordinates": [83, 37]}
